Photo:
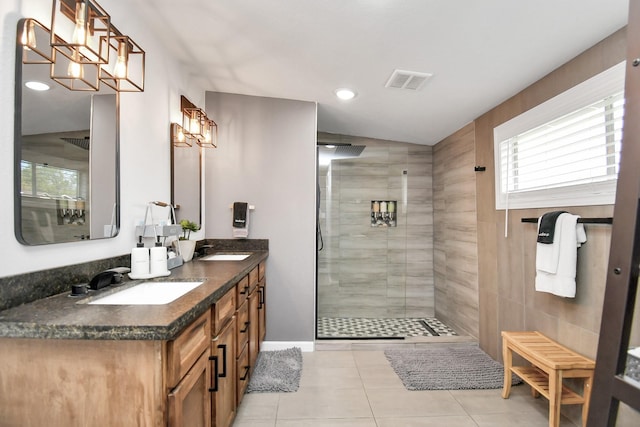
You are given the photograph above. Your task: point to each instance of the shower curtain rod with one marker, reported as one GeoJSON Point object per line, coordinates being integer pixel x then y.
{"type": "Point", "coordinates": [608, 220]}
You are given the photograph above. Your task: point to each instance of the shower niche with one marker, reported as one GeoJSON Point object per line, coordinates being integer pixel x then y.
{"type": "Point", "coordinates": [383, 213]}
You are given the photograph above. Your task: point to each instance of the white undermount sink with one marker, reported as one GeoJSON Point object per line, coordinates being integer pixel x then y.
{"type": "Point", "coordinates": [148, 293]}
{"type": "Point", "coordinates": [225, 257]}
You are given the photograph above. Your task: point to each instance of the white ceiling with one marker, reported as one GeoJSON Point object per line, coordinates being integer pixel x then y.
{"type": "Point", "coordinates": [479, 52]}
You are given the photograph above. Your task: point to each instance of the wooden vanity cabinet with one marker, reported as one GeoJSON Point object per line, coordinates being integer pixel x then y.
{"type": "Point", "coordinates": [189, 376]}
{"type": "Point", "coordinates": [142, 382]}
{"type": "Point", "coordinates": [223, 360]}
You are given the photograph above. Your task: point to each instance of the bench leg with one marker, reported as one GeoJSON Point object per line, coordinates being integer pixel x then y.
{"type": "Point", "coordinates": [555, 397]}
{"type": "Point", "coordinates": [586, 393]}
{"type": "Point", "coordinates": [507, 357]}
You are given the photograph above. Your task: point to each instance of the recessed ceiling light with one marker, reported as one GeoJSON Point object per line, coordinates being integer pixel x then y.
{"type": "Point", "coordinates": [39, 86]}
{"type": "Point", "coordinates": [345, 94]}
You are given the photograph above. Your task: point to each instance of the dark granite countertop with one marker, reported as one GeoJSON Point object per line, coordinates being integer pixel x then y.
{"type": "Point", "coordinates": [64, 317]}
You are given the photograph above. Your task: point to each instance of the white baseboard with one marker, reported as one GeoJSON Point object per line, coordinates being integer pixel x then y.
{"type": "Point", "coordinates": [306, 346]}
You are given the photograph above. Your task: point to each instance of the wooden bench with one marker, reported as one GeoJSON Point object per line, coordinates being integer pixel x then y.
{"type": "Point", "coordinates": [550, 364]}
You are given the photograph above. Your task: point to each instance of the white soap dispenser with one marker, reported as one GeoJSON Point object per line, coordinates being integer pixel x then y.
{"type": "Point", "coordinates": [158, 260]}
{"type": "Point", "coordinates": [139, 260]}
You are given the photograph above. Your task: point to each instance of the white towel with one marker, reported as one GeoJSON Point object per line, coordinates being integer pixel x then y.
{"type": "Point", "coordinates": [556, 262]}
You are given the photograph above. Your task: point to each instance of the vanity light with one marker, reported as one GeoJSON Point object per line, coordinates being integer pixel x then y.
{"type": "Point", "coordinates": [70, 72]}
{"type": "Point", "coordinates": [210, 134]}
{"type": "Point", "coordinates": [125, 70]}
{"type": "Point", "coordinates": [195, 125]}
{"type": "Point", "coordinates": [34, 38]}
{"type": "Point", "coordinates": [84, 49]}
{"type": "Point", "coordinates": [179, 137]}
{"type": "Point", "coordinates": [81, 25]}
{"type": "Point", "coordinates": [345, 94]}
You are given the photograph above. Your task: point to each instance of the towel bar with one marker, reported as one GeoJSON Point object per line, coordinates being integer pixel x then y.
{"type": "Point", "coordinates": [608, 220]}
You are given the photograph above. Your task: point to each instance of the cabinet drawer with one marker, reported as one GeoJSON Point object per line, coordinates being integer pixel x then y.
{"type": "Point", "coordinates": [184, 351]}
{"type": "Point", "coordinates": [262, 267]}
{"type": "Point", "coordinates": [242, 374]}
{"type": "Point", "coordinates": [253, 279]}
{"type": "Point", "coordinates": [242, 291]}
{"type": "Point", "coordinates": [223, 311]}
{"type": "Point", "coordinates": [242, 327]}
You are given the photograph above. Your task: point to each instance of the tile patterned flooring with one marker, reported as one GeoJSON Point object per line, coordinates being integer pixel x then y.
{"type": "Point", "coordinates": [358, 388]}
{"type": "Point", "coordinates": [359, 327]}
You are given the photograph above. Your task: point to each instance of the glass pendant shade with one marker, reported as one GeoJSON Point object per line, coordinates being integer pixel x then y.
{"type": "Point", "coordinates": [80, 26]}
{"type": "Point", "coordinates": [124, 71]}
{"type": "Point", "coordinates": [35, 40]}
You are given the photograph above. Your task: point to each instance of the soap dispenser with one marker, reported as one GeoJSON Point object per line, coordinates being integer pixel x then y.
{"type": "Point", "coordinates": [158, 259]}
{"type": "Point", "coordinates": [139, 260]}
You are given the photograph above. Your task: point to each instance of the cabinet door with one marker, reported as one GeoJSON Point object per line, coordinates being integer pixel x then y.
{"type": "Point", "coordinates": [223, 376]}
{"type": "Point", "coordinates": [190, 402]}
{"type": "Point", "coordinates": [254, 321]}
{"type": "Point", "coordinates": [242, 374]}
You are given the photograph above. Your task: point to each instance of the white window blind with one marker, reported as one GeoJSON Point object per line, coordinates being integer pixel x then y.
{"type": "Point", "coordinates": [569, 159]}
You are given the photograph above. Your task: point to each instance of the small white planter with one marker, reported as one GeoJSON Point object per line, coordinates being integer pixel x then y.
{"type": "Point", "coordinates": [186, 249]}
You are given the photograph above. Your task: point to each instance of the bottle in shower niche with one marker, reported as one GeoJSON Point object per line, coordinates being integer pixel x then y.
{"type": "Point", "coordinates": [140, 260]}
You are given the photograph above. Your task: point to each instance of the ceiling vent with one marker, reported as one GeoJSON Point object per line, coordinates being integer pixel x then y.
{"type": "Point", "coordinates": [409, 80]}
{"type": "Point", "coordinates": [80, 142]}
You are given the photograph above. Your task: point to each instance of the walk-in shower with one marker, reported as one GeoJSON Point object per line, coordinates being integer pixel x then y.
{"type": "Point", "coordinates": [375, 240]}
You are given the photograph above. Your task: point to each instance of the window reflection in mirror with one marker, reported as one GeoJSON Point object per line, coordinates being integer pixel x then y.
{"type": "Point", "coordinates": [66, 160]}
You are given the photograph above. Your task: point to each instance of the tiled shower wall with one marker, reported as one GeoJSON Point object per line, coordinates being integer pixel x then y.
{"type": "Point", "coordinates": [375, 272]}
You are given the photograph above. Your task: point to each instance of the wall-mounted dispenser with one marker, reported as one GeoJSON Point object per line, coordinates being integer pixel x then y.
{"type": "Point", "coordinates": [383, 213]}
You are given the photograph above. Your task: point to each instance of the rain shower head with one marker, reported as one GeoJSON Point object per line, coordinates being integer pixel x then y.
{"type": "Point", "coordinates": [344, 151]}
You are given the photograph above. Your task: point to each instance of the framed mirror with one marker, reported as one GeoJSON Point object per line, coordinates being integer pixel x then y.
{"type": "Point", "coordinates": [186, 194]}
{"type": "Point", "coordinates": [66, 158]}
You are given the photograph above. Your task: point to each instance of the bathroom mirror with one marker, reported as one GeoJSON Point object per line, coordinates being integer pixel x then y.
{"type": "Point", "coordinates": [66, 179]}
{"type": "Point", "coordinates": [185, 182]}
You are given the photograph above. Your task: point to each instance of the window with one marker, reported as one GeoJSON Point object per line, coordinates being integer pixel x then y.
{"type": "Point", "coordinates": [566, 151]}
{"type": "Point", "coordinates": [48, 181]}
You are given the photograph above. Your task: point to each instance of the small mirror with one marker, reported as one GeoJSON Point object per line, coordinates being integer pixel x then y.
{"type": "Point", "coordinates": [185, 182]}
{"type": "Point", "coordinates": [66, 159]}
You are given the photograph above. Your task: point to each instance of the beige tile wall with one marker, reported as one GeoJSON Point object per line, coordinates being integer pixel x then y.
{"type": "Point", "coordinates": [365, 271]}
{"type": "Point", "coordinates": [506, 266]}
{"type": "Point", "coordinates": [455, 234]}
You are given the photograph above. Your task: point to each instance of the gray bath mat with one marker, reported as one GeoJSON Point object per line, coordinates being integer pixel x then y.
{"type": "Point", "coordinates": [447, 367]}
{"type": "Point", "coordinates": [277, 371]}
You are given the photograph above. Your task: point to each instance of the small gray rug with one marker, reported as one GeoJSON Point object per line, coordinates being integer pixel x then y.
{"type": "Point", "coordinates": [277, 371]}
{"type": "Point", "coordinates": [450, 367]}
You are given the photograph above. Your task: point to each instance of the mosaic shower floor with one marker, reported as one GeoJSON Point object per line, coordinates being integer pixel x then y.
{"type": "Point", "coordinates": [360, 327]}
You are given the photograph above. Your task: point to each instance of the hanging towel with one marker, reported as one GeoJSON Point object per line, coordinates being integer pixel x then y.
{"type": "Point", "coordinates": [547, 226]}
{"type": "Point", "coordinates": [556, 262]}
{"type": "Point", "coordinates": [240, 229]}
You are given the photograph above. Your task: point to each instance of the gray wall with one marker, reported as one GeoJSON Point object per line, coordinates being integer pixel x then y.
{"type": "Point", "coordinates": [266, 157]}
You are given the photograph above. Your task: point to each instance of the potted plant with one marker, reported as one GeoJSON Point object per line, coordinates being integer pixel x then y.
{"type": "Point", "coordinates": [187, 246]}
